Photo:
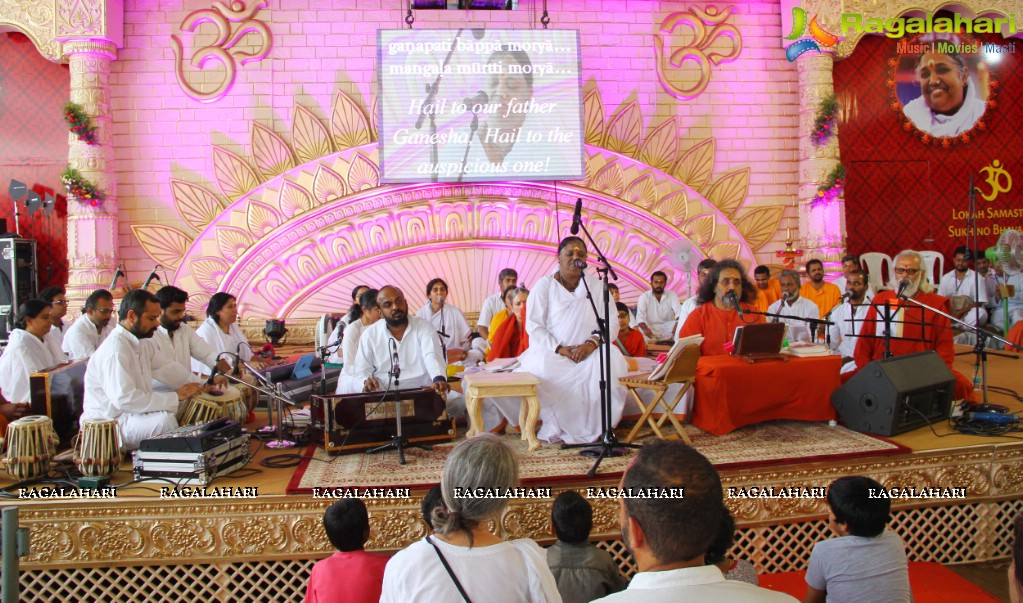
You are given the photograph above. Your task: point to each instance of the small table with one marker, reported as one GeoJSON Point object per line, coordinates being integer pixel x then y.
{"type": "Point", "coordinates": [492, 385]}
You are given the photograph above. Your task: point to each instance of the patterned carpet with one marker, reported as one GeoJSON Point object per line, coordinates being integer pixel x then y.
{"type": "Point", "coordinates": [778, 442]}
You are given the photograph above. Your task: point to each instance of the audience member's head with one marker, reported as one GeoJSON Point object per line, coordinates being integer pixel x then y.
{"type": "Point", "coordinates": [172, 302]}
{"type": "Point", "coordinates": [723, 542]}
{"type": "Point", "coordinates": [671, 531]}
{"type": "Point", "coordinates": [712, 288]}
{"type": "Point", "coordinates": [347, 524]}
{"type": "Point", "coordinates": [223, 308]}
{"type": "Point", "coordinates": [34, 316]}
{"type": "Point", "coordinates": [483, 461]}
{"type": "Point", "coordinates": [762, 276]}
{"type": "Point", "coordinates": [99, 307]}
{"type": "Point", "coordinates": [613, 290]}
{"type": "Point", "coordinates": [140, 313]}
{"type": "Point", "coordinates": [572, 517]}
{"type": "Point", "coordinates": [57, 296]}
{"type": "Point", "coordinates": [853, 510]}
{"type": "Point", "coordinates": [508, 278]}
{"type": "Point", "coordinates": [704, 267]}
{"type": "Point", "coordinates": [431, 501]}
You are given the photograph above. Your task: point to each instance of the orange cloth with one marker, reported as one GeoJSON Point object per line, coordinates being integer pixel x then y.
{"type": "Point", "coordinates": [762, 303]}
{"type": "Point", "coordinates": [826, 299]}
{"type": "Point", "coordinates": [731, 392]}
{"type": "Point", "coordinates": [1016, 334]}
{"type": "Point", "coordinates": [773, 291]}
{"type": "Point", "coordinates": [717, 326]}
{"type": "Point", "coordinates": [509, 341]}
{"type": "Point", "coordinates": [495, 322]}
{"type": "Point", "coordinates": [937, 330]}
{"type": "Point", "coordinates": [633, 345]}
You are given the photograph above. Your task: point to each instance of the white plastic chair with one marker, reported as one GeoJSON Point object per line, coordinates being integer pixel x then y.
{"type": "Point", "coordinates": [932, 259]}
{"type": "Point", "coordinates": [874, 263]}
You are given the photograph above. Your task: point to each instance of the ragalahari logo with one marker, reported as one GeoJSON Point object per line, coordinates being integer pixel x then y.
{"type": "Point", "coordinates": [818, 35]}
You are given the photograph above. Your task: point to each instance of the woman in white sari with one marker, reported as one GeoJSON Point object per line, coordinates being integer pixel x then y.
{"type": "Point", "coordinates": [367, 313]}
{"type": "Point", "coordinates": [562, 346]}
{"type": "Point", "coordinates": [221, 330]}
{"type": "Point", "coordinates": [28, 350]}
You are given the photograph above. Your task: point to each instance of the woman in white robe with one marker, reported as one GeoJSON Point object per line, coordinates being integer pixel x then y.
{"type": "Point", "coordinates": [367, 313]}
{"type": "Point", "coordinates": [27, 350]}
{"type": "Point", "coordinates": [563, 352]}
{"type": "Point", "coordinates": [451, 321]}
{"type": "Point", "coordinates": [221, 330]}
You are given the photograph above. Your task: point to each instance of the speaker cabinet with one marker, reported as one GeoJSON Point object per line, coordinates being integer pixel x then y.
{"type": "Point", "coordinates": [17, 279]}
{"type": "Point", "coordinates": [894, 395]}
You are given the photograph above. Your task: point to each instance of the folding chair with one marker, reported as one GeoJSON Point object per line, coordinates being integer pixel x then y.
{"type": "Point", "coordinates": [683, 370]}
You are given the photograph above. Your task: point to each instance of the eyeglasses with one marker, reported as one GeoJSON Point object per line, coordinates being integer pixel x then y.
{"type": "Point", "coordinates": [909, 271]}
{"type": "Point", "coordinates": [59, 302]}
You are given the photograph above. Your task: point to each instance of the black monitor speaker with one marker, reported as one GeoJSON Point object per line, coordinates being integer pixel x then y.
{"type": "Point", "coordinates": [894, 395]}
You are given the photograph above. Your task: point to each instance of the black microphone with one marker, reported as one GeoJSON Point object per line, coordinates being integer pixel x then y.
{"type": "Point", "coordinates": [902, 286]}
{"type": "Point", "coordinates": [238, 358]}
{"type": "Point", "coordinates": [117, 274]}
{"type": "Point", "coordinates": [481, 98]}
{"type": "Point", "coordinates": [577, 216]}
{"type": "Point", "coordinates": [580, 264]}
{"type": "Point", "coordinates": [734, 300]}
{"type": "Point", "coordinates": [845, 297]}
{"type": "Point", "coordinates": [395, 366]}
{"type": "Point", "coordinates": [152, 276]}
{"type": "Point", "coordinates": [209, 381]}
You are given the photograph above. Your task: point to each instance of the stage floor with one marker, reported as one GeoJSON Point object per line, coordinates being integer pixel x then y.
{"type": "Point", "coordinates": [211, 543]}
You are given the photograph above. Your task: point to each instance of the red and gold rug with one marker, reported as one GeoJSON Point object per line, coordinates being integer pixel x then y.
{"type": "Point", "coordinates": [774, 443]}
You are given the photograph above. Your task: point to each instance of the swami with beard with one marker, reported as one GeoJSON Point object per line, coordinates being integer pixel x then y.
{"type": "Point", "coordinates": [906, 330]}
{"type": "Point", "coordinates": [418, 349]}
{"type": "Point", "coordinates": [178, 341]}
{"type": "Point", "coordinates": [947, 105]}
{"type": "Point", "coordinates": [119, 380]}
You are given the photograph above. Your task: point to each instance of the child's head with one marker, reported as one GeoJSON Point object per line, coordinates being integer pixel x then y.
{"type": "Point", "coordinates": [572, 517]}
{"type": "Point", "coordinates": [432, 500]}
{"type": "Point", "coordinates": [723, 541]}
{"type": "Point", "coordinates": [347, 524]}
{"type": "Point", "coordinates": [623, 316]}
{"type": "Point", "coordinates": [854, 508]}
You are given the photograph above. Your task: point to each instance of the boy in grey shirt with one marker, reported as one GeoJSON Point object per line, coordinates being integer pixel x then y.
{"type": "Point", "coordinates": [583, 572]}
{"type": "Point", "coordinates": [866, 562]}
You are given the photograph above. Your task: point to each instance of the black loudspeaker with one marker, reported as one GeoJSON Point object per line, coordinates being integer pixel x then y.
{"type": "Point", "coordinates": [895, 395]}
{"type": "Point", "coordinates": [17, 280]}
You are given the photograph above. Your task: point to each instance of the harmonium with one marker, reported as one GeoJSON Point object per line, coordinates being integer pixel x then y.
{"type": "Point", "coordinates": [356, 422]}
{"type": "Point", "coordinates": [59, 393]}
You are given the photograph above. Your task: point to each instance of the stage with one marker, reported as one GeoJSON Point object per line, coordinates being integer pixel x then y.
{"type": "Point", "coordinates": [231, 547]}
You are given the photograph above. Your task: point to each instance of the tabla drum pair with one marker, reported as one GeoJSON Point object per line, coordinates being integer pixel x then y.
{"type": "Point", "coordinates": [206, 407]}
{"type": "Point", "coordinates": [31, 444]}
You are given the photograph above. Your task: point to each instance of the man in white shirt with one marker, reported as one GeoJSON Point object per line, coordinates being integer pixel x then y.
{"type": "Point", "coordinates": [850, 264]}
{"type": "Point", "coordinates": [791, 304]}
{"type": "Point", "coordinates": [119, 380]}
{"type": "Point", "coordinates": [669, 536]}
{"type": "Point", "coordinates": [703, 270]}
{"type": "Point", "coordinates": [179, 342]}
{"type": "Point", "coordinates": [416, 344]}
{"type": "Point", "coordinates": [94, 325]}
{"type": "Point", "coordinates": [494, 304]}
{"type": "Point", "coordinates": [960, 287]}
{"type": "Point", "coordinates": [57, 297]}
{"type": "Point", "coordinates": [848, 318]}
{"type": "Point", "coordinates": [657, 309]}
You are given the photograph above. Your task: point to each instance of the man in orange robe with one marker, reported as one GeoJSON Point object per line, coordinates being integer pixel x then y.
{"type": "Point", "coordinates": [717, 321]}
{"type": "Point", "coordinates": [936, 330]}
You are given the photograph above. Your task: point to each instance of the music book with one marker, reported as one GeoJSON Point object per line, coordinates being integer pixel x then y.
{"type": "Point", "coordinates": [761, 338]}
{"type": "Point", "coordinates": [661, 370]}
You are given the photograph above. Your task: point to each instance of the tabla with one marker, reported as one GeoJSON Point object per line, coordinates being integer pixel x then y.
{"type": "Point", "coordinates": [199, 409]}
{"type": "Point", "coordinates": [232, 405]}
{"type": "Point", "coordinates": [31, 443]}
{"type": "Point", "coordinates": [98, 449]}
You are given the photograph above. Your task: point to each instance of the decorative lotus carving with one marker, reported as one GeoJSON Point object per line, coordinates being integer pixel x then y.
{"type": "Point", "coordinates": [166, 245]}
{"type": "Point", "coordinates": [347, 123]}
{"type": "Point", "coordinates": [233, 175]}
{"type": "Point", "coordinates": [309, 135]}
{"type": "Point", "coordinates": [625, 130]}
{"type": "Point", "coordinates": [196, 205]}
{"type": "Point", "coordinates": [271, 154]}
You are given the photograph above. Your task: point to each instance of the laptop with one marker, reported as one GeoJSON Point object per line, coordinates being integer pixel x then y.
{"type": "Point", "coordinates": [759, 339]}
{"type": "Point", "coordinates": [303, 368]}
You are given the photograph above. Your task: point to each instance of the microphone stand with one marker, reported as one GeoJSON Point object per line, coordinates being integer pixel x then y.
{"type": "Point", "coordinates": [980, 376]}
{"type": "Point", "coordinates": [608, 446]}
{"type": "Point", "coordinates": [398, 441]}
{"type": "Point", "coordinates": [443, 335]}
{"type": "Point", "coordinates": [281, 399]}
{"type": "Point", "coordinates": [326, 351]}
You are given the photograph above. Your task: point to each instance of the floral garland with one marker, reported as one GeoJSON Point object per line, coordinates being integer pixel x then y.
{"type": "Point", "coordinates": [77, 185]}
{"type": "Point", "coordinates": [824, 124]}
{"type": "Point", "coordinates": [832, 188]}
{"type": "Point", "coordinates": [80, 123]}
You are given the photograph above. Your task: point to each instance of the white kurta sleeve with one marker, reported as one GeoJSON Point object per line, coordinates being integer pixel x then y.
{"type": "Point", "coordinates": [642, 311]}
{"type": "Point", "coordinates": [200, 350]}
{"type": "Point", "coordinates": [429, 346]}
{"type": "Point", "coordinates": [77, 343]}
{"type": "Point", "coordinates": [460, 328]}
{"type": "Point", "coordinates": [537, 315]}
{"type": "Point", "coordinates": [364, 365]}
{"type": "Point", "coordinates": [486, 315]}
{"type": "Point", "coordinates": [166, 370]}
{"type": "Point", "coordinates": [126, 395]}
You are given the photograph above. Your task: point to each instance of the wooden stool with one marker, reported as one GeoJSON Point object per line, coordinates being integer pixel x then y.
{"type": "Point", "coordinates": [682, 370]}
{"type": "Point", "coordinates": [493, 385]}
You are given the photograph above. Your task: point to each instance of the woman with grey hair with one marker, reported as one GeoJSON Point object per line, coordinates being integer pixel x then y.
{"type": "Point", "coordinates": [464, 560]}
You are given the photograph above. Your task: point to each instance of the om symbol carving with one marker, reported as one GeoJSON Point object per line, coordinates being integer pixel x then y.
{"type": "Point", "coordinates": [998, 179]}
{"type": "Point", "coordinates": [696, 50]}
{"type": "Point", "coordinates": [221, 48]}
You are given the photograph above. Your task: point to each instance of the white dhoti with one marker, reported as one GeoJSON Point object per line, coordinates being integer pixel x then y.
{"type": "Point", "coordinates": [136, 427]}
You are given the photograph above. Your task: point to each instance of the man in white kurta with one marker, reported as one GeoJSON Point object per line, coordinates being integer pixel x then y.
{"type": "Point", "coordinates": [569, 392]}
{"type": "Point", "coordinates": [792, 305]}
{"type": "Point", "coordinates": [119, 380]}
{"type": "Point", "coordinates": [419, 355]}
{"type": "Point", "coordinates": [962, 282]}
{"type": "Point", "coordinates": [848, 318]}
{"type": "Point", "coordinates": [179, 342]}
{"type": "Point", "coordinates": [657, 310]}
{"type": "Point", "coordinates": [25, 354]}
{"type": "Point", "coordinates": [495, 303]}
{"type": "Point", "coordinates": [85, 335]}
